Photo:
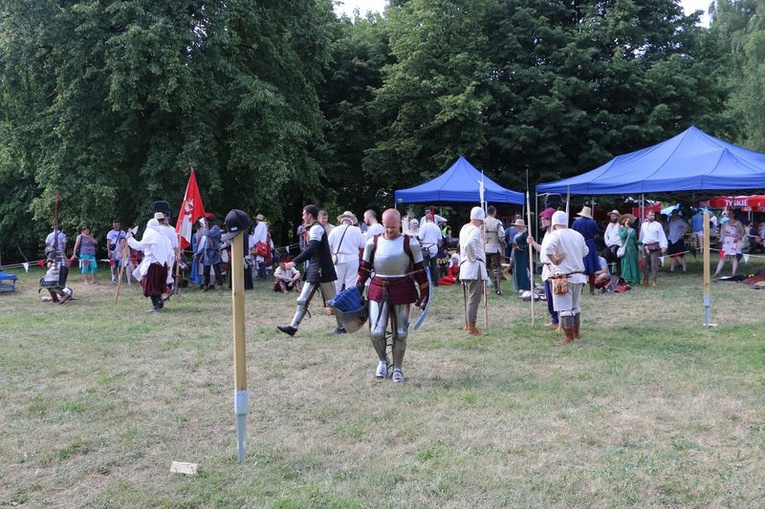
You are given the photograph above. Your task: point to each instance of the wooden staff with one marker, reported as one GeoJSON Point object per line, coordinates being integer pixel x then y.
{"type": "Point", "coordinates": [531, 253]}
{"type": "Point", "coordinates": [486, 265]}
{"type": "Point", "coordinates": [121, 271]}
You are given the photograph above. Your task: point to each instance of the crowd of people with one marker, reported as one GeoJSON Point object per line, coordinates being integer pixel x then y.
{"type": "Point", "coordinates": [395, 262]}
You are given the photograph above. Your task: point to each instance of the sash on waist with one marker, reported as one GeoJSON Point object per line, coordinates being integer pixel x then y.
{"type": "Point", "coordinates": [390, 281]}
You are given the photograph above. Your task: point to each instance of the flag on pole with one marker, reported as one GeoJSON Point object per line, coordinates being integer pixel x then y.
{"type": "Point", "coordinates": [481, 193]}
{"type": "Point", "coordinates": [191, 210]}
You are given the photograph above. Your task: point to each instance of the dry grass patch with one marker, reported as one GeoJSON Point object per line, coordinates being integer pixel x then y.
{"type": "Point", "coordinates": [648, 410]}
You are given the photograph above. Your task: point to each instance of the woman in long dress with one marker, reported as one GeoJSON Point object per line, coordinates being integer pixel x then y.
{"type": "Point", "coordinates": [629, 262]}
{"type": "Point", "coordinates": [521, 258]}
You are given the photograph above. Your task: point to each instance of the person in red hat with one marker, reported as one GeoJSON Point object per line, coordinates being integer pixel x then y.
{"type": "Point", "coordinates": [544, 220]}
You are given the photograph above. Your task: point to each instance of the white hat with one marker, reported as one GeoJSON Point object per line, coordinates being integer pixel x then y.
{"type": "Point", "coordinates": [414, 221]}
{"type": "Point", "coordinates": [477, 213]}
{"type": "Point", "coordinates": [560, 217]}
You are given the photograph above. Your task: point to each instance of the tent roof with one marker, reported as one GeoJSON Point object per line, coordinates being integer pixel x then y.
{"type": "Point", "coordinates": [460, 183]}
{"type": "Point", "coordinates": [690, 161]}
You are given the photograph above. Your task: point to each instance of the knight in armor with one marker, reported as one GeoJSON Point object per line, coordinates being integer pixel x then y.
{"type": "Point", "coordinates": [319, 274]}
{"type": "Point", "coordinates": [58, 269]}
{"type": "Point", "coordinates": [397, 263]}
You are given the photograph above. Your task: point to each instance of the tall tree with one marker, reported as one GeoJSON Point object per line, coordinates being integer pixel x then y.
{"type": "Point", "coordinates": [579, 82]}
{"type": "Point", "coordinates": [430, 108]}
{"type": "Point", "coordinates": [740, 31]}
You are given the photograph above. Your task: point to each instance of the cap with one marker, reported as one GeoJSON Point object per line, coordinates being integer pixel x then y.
{"type": "Point", "coordinates": [560, 218]}
{"type": "Point", "coordinates": [414, 221]}
{"type": "Point", "coordinates": [477, 213]}
{"type": "Point", "coordinates": [159, 216]}
{"type": "Point", "coordinates": [547, 213]}
{"type": "Point", "coordinates": [237, 221]}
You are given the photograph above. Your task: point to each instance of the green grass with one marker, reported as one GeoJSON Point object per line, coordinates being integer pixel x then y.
{"type": "Point", "coordinates": [649, 409]}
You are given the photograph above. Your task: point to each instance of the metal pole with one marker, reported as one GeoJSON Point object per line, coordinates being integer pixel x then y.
{"type": "Point", "coordinates": [707, 286]}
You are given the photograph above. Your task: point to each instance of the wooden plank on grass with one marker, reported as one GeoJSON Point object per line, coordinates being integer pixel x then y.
{"type": "Point", "coordinates": [181, 467]}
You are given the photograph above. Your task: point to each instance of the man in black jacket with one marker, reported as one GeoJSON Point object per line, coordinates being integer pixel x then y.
{"type": "Point", "coordinates": [319, 274]}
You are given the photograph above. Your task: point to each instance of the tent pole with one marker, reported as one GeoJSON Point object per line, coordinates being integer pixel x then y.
{"type": "Point", "coordinates": [707, 286]}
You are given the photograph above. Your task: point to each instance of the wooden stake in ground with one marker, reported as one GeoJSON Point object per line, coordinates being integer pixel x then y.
{"type": "Point", "coordinates": [240, 354]}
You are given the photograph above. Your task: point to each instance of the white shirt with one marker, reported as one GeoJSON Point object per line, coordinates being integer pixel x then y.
{"type": "Point", "coordinates": [570, 244]}
{"type": "Point", "coordinates": [472, 255]}
{"type": "Point", "coordinates": [494, 231]}
{"type": "Point", "coordinates": [611, 236]}
{"type": "Point", "coordinates": [373, 230]}
{"type": "Point", "coordinates": [155, 246]}
{"type": "Point", "coordinates": [429, 236]}
{"type": "Point", "coordinates": [349, 240]}
{"type": "Point", "coordinates": [652, 232]}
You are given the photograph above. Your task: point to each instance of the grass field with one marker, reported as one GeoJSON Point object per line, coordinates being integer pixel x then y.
{"type": "Point", "coordinates": [648, 409]}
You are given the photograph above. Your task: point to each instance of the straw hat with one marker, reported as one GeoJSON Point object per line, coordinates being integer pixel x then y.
{"type": "Point", "coordinates": [614, 212]}
{"type": "Point", "coordinates": [626, 216]}
{"type": "Point", "coordinates": [519, 222]}
{"type": "Point", "coordinates": [350, 216]}
{"type": "Point", "coordinates": [585, 212]}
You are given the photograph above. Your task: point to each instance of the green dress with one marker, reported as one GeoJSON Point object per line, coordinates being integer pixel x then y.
{"type": "Point", "coordinates": [521, 262]}
{"type": "Point", "coordinates": [630, 267]}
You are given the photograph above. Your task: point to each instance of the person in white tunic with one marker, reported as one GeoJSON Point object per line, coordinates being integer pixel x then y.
{"type": "Point", "coordinates": [346, 242]}
{"type": "Point", "coordinates": [473, 271]}
{"type": "Point", "coordinates": [566, 250]}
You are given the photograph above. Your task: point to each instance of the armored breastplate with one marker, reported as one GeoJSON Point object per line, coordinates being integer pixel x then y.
{"type": "Point", "coordinates": [390, 258]}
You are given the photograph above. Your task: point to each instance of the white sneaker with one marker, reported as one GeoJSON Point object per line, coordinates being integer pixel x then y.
{"type": "Point", "coordinates": [382, 370]}
{"type": "Point", "coordinates": [398, 376]}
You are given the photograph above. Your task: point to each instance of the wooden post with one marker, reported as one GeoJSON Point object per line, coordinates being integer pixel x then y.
{"type": "Point", "coordinates": [240, 355]}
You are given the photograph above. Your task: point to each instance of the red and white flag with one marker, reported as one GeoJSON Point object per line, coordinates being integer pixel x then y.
{"type": "Point", "coordinates": [191, 210]}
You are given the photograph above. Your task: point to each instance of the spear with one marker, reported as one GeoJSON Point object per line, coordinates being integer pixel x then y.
{"type": "Point", "coordinates": [531, 254]}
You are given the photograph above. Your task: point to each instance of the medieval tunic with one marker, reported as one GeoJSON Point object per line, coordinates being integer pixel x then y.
{"type": "Point", "coordinates": [320, 268]}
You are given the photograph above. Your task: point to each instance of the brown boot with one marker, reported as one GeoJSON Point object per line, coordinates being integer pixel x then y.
{"type": "Point", "coordinates": [473, 331]}
{"type": "Point", "coordinates": [568, 337]}
{"type": "Point", "coordinates": [577, 321]}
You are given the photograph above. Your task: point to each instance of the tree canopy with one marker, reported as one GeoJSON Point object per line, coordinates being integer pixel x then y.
{"type": "Point", "coordinates": [281, 103]}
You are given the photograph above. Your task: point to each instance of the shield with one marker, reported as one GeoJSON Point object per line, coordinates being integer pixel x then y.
{"type": "Point", "coordinates": [351, 308]}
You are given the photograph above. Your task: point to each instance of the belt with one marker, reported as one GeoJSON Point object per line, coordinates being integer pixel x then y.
{"type": "Point", "coordinates": [388, 282]}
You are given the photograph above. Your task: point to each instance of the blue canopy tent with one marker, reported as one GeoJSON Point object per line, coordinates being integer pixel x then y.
{"type": "Point", "coordinates": [460, 183]}
{"type": "Point", "coordinates": [690, 161]}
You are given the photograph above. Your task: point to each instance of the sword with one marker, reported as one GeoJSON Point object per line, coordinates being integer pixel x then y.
{"type": "Point", "coordinates": [427, 306]}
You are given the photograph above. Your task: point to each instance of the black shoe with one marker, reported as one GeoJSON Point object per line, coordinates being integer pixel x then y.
{"type": "Point", "coordinates": [287, 329]}
{"type": "Point", "coordinates": [340, 330]}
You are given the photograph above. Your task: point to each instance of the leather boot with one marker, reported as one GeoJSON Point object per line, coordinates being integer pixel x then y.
{"type": "Point", "coordinates": [473, 331]}
{"type": "Point", "coordinates": [577, 321]}
{"type": "Point", "coordinates": [568, 337]}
